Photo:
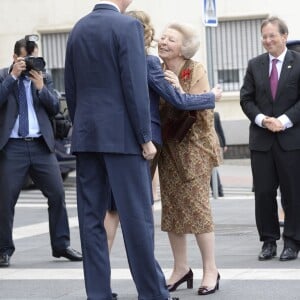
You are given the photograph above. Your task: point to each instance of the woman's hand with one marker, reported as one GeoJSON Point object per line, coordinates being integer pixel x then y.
{"type": "Point", "coordinates": [217, 90]}
{"type": "Point", "coordinates": [173, 79]}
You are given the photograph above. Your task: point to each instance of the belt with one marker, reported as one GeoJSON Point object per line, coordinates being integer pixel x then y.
{"type": "Point", "coordinates": [28, 139]}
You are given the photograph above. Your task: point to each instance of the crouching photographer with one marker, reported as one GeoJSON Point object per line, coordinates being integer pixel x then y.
{"type": "Point", "coordinates": [27, 148]}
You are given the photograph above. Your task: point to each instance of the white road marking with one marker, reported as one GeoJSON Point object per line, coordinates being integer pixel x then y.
{"type": "Point", "coordinates": [37, 229]}
{"type": "Point", "coordinates": [124, 274]}
{"type": "Point", "coordinates": [38, 205]}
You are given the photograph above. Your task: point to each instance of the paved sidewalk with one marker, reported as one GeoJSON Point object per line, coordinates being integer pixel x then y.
{"type": "Point", "coordinates": [236, 173]}
{"type": "Point", "coordinates": [34, 274]}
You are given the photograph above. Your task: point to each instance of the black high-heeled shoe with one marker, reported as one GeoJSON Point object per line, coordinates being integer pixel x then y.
{"type": "Point", "coordinates": [188, 278]}
{"type": "Point", "coordinates": [205, 290]}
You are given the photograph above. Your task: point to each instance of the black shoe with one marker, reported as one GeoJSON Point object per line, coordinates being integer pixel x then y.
{"type": "Point", "coordinates": [114, 296]}
{"type": "Point", "coordinates": [205, 290]}
{"type": "Point", "coordinates": [269, 250]}
{"type": "Point", "coordinates": [4, 260]}
{"type": "Point", "coordinates": [288, 254]}
{"type": "Point", "coordinates": [68, 253]}
{"type": "Point", "coordinates": [188, 278]}
{"type": "Point", "coordinates": [221, 194]}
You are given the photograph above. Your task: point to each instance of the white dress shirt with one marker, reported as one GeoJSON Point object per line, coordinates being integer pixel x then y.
{"type": "Point", "coordinates": [285, 121]}
{"type": "Point", "coordinates": [34, 128]}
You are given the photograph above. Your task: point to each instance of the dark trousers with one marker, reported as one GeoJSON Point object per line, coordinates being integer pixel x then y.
{"type": "Point", "coordinates": [272, 169]}
{"type": "Point", "coordinates": [128, 177]}
{"type": "Point", "coordinates": [18, 159]}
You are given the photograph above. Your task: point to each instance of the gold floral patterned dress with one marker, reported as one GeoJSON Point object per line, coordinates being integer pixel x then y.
{"type": "Point", "coordinates": [185, 168]}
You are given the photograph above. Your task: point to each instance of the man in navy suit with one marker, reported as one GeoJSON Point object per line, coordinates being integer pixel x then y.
{"type": "Point", "coordinates": [107, 96]}
{"type": "Point", "coordinates": [29, 152]}
{"type": "Point", "coordinates": [270, 97]}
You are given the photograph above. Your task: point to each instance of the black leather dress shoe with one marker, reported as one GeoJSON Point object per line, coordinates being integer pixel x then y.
{"type": "Point", "coordinates": [114, 296]}
{"type": "Point", "coordinates": [288, 254]}
{"type": "Point", "coordinates": [68, 253]}
{"type": "Point", "coordinates": [4, 260]}
{"type": "Point", "coordinates": [269, 250]}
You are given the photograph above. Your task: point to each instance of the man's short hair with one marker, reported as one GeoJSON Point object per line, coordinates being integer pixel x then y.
{"type": "Point", "coordinates": [18, 46]}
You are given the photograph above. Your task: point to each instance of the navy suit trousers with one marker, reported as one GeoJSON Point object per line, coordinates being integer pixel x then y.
{"type": "Point", "coordinates": [128, 177]}
{"type": "Point", "coordinates": [18, 159]}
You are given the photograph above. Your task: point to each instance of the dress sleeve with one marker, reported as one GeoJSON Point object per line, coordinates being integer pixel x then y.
{"type": "Point", "coordinates": [199, 82]}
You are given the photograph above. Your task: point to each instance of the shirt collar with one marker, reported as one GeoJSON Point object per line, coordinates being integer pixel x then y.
{"type": "Point", "coordinates": [110, 3]}
{"type": "Point", "coordinates": [280, 57]}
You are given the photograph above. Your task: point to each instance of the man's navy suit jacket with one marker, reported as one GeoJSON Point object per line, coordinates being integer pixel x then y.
{"type": "Point", "coordinates": [106, 83]}
{"type": "Point", "coordinates": [45, 103]}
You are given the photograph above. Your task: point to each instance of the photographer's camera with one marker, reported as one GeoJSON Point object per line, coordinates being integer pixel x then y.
{"type": "Point", "coordinates": [33, 62]}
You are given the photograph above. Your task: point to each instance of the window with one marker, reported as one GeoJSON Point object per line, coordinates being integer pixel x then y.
{"type": "Point", "coordinates": [229, 48]}
{"type": "Point", "coordinates": [54, 51]}
{"type": "Point", "coordinates": [58, 79]}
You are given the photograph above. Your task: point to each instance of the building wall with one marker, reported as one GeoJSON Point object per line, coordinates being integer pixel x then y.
{"type": "Point", "coordinates": [21, 17]}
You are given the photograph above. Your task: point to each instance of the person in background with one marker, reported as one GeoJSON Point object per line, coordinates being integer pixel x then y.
{"type": "Point", "coordinates": [108, 102]}
{"type": "Point", "coordinates": [27, 148]}
{"type": "Point", "coordinates": [270, 98]}
{"type": "Point", "coordinates": [188, 164]}
{"type": "Point", "coordinates": [222, 142]}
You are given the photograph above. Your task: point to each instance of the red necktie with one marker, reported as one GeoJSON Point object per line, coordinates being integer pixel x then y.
{"type": "Point", "coordinates": [274, 78]}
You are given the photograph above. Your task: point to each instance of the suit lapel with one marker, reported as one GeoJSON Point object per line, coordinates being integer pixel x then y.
{"type": "Point", "coordinates": [16, 91]}
{"type": "Point", "coordinates": [285, 72]}
{"type": "Point", "coordinates": [265, 75]}
{"type": "Point", "coordinates": [34, 95]}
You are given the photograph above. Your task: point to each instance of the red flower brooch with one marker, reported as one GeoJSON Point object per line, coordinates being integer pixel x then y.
{"type": "Point", "coordinates": [185, 74]}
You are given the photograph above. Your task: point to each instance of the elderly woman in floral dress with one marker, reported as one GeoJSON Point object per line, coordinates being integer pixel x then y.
{"type": "Point", "coordinates": [185, 167]}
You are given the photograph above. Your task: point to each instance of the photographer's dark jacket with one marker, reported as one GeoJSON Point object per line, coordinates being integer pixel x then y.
{"type": "Point", "coordinates": [46, 104]}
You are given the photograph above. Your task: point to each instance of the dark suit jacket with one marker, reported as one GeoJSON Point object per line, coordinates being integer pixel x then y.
{"type": "Point", "coordinates": [160, 87]}
{"type": "Point", "coordinates": [46, 104]}
{"type": "Point", "coordinates": [105, 79]}
{"type": "Point", "coordinates": [255, 98]}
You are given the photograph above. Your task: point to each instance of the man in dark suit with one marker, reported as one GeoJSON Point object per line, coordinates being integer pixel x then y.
{"type": "Point", "coordinates": [107, 96]}
{"type": "Point", "coordinates": [27, 147]}
{"type": "Point", "coordinates": [270, 97]}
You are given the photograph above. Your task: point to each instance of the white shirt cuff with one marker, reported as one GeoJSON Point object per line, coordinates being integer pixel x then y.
{"type": "Point", "coordinates": [258, 120]}
{"type": "Point", "coordinates": [286, 122]}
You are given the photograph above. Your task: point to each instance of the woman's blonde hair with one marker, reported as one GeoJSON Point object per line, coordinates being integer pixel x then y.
{"type": "Point", "coordinates": [190, 38]}
{"type": "Point", "coordinates": [149, 31]}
